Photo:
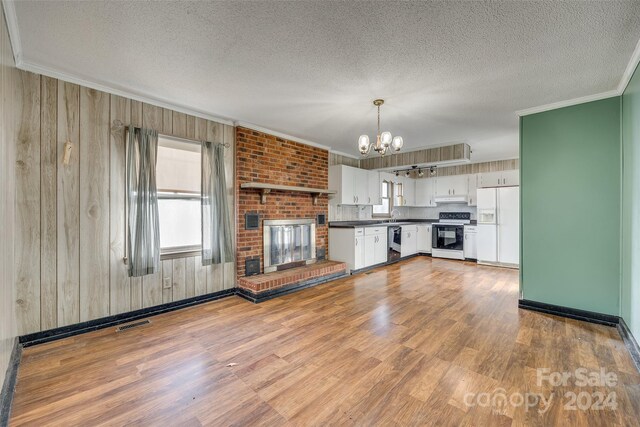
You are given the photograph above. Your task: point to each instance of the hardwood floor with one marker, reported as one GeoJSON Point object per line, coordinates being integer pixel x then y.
{"type": "Point", "coordinates": [403, 345]}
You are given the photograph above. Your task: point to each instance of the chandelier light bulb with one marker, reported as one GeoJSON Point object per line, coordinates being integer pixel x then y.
{"type": "Point", "coordinates": [385, 139]}
{"type": "Point", "coordinates": [363, 143]}
{"type": "Point", "coordinates": [397, 143]}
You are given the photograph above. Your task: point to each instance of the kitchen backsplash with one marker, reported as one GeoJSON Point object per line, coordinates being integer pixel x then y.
{"type": "Point", "coordinates": [434, 213]}
{"type": "Point", "coordinates": [355, 213]}
{"type": "Point", "coordinates": [349, 213]}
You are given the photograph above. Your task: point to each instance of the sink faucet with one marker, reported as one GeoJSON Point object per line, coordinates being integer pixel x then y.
{"type": "Point", "coordinates": [393, 214]}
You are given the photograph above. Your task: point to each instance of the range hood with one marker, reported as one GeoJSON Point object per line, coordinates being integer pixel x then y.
{"type": "Point", "coordinates": [451, 199]}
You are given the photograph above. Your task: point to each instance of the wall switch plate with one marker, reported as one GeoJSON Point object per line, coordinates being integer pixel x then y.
{"type": "Point", "coordinates": [166, 282]}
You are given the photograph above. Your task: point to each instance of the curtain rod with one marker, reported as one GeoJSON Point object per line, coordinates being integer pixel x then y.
{"type": "Point", "coordinates": [117, 125]}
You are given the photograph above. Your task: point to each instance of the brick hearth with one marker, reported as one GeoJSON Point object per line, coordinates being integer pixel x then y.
{"type": "Point", "coordinates": [278, 279]}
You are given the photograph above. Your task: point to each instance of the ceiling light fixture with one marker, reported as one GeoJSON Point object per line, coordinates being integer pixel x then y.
{"type": "Point", "coordinates": [420, 173]}
{"type": "Point", "coordinates": [384, 140]}
{"type": "Point", "coordinates": [432, 170]}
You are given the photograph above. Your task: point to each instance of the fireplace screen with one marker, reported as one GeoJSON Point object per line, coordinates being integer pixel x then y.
{"type": "Point", "coordinates": [288, 242]}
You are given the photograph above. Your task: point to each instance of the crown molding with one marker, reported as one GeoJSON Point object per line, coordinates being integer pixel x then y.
{"type": "Point", "coordinates": [280, 134]}
{"type": "Point", "coordinates": [622, 85]}
{"type": "Point", "coordinates": [158, 102]}
{"type": "Point", "coordinates": [631, 68]}
{"type": "Point", "coordinates": [343, 154]}
{"type": "Point", "coordinates": [567, 103]}
{"type": "Point", "coordinates": [12, 27]}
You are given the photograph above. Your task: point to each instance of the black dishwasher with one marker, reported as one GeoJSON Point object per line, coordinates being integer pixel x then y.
{"type": "Point", "coordinates": [395, 243]}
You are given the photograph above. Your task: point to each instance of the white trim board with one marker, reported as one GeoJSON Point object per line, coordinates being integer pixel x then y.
{"type": "Point", "coordinates": [12, 26]}
{"type": "Point", "coordinates": [45, 71]}
{"type": "Point", "coordinates": [624, 82]}
{"type": "Point", "coordinates": [567, 103]}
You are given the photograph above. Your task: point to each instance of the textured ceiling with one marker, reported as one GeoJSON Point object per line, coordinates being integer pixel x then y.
{"type": "Point", "coordinates": [450, 71]}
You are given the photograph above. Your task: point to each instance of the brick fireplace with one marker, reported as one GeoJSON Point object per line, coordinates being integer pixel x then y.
{"type": "Point", "coordinates": [265, 158]}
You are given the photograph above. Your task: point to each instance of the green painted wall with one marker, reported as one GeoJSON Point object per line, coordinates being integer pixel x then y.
{"type": "Point", "coordinates": [570, 206]}
{"type": "Point", "coordinates": [630, 285]}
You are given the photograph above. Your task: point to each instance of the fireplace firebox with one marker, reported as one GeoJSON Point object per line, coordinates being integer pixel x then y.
{"type": "Point", "coordinates": [289, 243]}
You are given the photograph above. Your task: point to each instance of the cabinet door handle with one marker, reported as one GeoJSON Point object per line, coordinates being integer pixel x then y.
{"type": "Point", "coordinates": [356, 242]}
{"type": "Point", "coordinates": [454, 191]}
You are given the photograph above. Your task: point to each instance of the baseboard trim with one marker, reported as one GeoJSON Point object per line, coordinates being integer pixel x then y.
{"type": "Point", "coordinates": [258, 297]}
{"type": "Point", "coordinates": [630, 342]}
{"type": "Point", "coordinates": [571, 313]}
{"type": "Point", "coordinates": [9, 386]}
{"type": "Point", "coordinates": [105, 322]}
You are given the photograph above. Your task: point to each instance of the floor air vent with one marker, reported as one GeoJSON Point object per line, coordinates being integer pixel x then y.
{"type": "Point", "coordinates": [132, 325]}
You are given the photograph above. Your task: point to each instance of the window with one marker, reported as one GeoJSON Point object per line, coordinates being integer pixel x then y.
{"type": "Point", "coordinates": [385, 195]}
{"type": "Point", "coordinates": [179, 191]}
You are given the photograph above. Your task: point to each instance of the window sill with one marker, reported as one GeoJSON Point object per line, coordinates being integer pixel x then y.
{"type": "Point", "coordinates": [175, 254]}
{"type": "Point", "coordinates": [180, 253]}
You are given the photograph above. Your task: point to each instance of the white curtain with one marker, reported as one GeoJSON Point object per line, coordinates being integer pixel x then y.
{"type": "Point", "coordinates": [217, 246]}
{"type": "Point", "coordinates": [143, 243]}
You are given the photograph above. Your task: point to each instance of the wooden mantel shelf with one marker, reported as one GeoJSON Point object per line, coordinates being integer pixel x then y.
{"type": "Point", "coordinates": [267, 188]}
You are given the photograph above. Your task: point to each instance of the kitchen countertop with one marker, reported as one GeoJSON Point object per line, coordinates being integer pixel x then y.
{"type": "Point", "coordinates": [378, 223]}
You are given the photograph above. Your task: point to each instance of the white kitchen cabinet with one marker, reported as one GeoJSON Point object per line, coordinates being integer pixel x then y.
{"type": "Point", "coordinates": [374, 182]}
{"type": "Point", "coordinates": [409, 244]}
{"type": "Point", "coordinates": [425, 192]}
{"type": "Point", "coordinates": [510, 178]}
{"type": "Point", "coordinates": [375, 245]}
{"type": "Point", "coordinates": [404, 191]}
{"type": "Point", "coordinates": [473, 189]}
{"type": "Point", "coordinates": [470, 246]}
{"type": "Point", "coordinates": [361, 186]}
{"type": "Point", "coordinates": [424, 238]}
{"type": "Point", "coordinates": [351, 184]}
{"type": "Point", "coordinates": [455, 185]}
{"type": "Point", "coordinates": [358, 247]}
{"type": "Point", "coordinates": [347, 245]}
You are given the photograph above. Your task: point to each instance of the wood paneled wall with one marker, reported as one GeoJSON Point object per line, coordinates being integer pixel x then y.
{"type": "Point", "coordinates": [70, 220]}
{"type": "Point", "coordinates": [338, 159]}
{"type": "Point", "coordinates": [10, 110]}
{"type": "Point", "coordinates": [494, 166]}
{"type": "Point", "coordinates": [455, 152]}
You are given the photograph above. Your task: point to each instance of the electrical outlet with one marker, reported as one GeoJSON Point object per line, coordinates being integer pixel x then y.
{"type": "Point", "coordinates": [166, 282]}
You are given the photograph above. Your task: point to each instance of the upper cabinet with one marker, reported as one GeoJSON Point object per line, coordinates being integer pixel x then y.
{"type": "Point", "coordinates": [354, 186]}
{"type": "Point", "coordinates": [404, 190]}
{"type": "Point", "coordinates": [455, 185]}
{"type": "Point", "coordinates": [374, 181]}
{"type": "Point", "coordinates": [426, 192]}
{"type": "Point", "coordinates": [510, 178]}
{"type": "Point", "coordinates": [473, 189]}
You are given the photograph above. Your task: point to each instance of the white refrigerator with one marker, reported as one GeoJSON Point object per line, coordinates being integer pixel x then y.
{"type": "Point", "coordinates": [498, 238]}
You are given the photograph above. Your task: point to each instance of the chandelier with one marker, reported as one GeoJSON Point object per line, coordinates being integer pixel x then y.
{"type": "Point", "coordinates": [384, 140]}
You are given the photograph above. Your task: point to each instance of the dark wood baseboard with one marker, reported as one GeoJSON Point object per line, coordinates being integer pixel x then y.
{"type": "Point", "coordinates": [571, 313]}
{"type": "Point", "coordinates": [257, 297]}
{"type": "Point", "coordinates": [9, 386]}
{"type": "Point", "coordinates": [630, 342]}
{"type": "Point", "coordinates": [105, 322]}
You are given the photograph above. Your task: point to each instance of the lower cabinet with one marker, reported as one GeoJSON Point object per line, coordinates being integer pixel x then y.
{"type": "Point", "coordinates": [358, 247]}
{"type": "Point", "coordinates": [424, 238]}
{"type": "Point", "coordinates": [470, 245]}
{"type": "Point", "coordinates": [375, 246]}
{"type": "Point", "coordinates": [409, 240]}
